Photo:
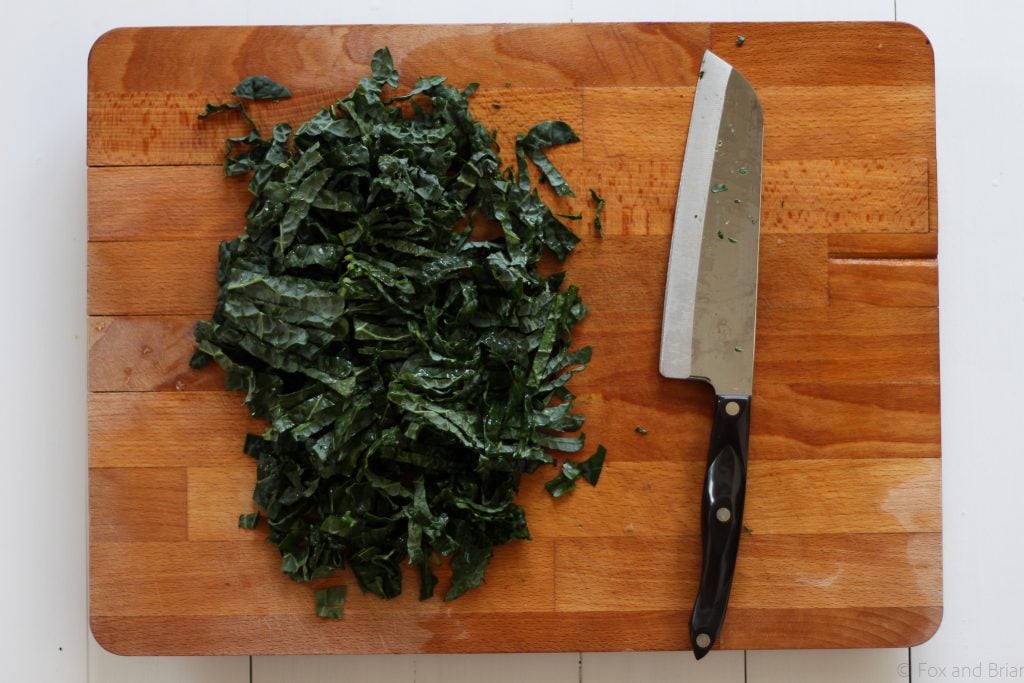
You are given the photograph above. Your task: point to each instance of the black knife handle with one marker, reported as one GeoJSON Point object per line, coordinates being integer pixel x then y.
{"type": "Point", "coordinates": [725, 484]}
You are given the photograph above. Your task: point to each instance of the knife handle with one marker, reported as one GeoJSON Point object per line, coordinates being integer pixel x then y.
{"type": "Point", "coordinates": [725, 484]}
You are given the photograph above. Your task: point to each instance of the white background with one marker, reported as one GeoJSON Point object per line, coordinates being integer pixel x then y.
{"type": "Point", "coordinates": [43, 493]}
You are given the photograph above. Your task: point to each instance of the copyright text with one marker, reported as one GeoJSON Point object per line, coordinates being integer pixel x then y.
{"type": "Point", "coordinates": [977, 671]}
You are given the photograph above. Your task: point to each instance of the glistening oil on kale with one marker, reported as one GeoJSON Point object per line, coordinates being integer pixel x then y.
{"type": "Point", "coordinates": [409, 368]}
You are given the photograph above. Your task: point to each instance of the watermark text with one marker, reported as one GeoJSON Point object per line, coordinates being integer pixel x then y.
{"type": "Point", "coordinates": [975, 671]}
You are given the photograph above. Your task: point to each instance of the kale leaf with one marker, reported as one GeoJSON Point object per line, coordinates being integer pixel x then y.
{"type": "Point", "coordinates": [248, 520]}
{"type": "Point", "coordinates": [260, 88]}
{"type": "Point", "coordinates": [599, 202]}
{"type": "Point", "coordinates": [385, 314]}
{"type": "Point", "coordinates": [330, 602]}
{"type": "Point", "coordinates": [589, 469]}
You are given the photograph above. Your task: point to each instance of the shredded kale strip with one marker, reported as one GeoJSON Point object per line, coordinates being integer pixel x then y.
{"type": "Point", "coordinates": [589, 469]}
{"type": "Point", "coordinates": [260, 88]}
{"type": "Point", "coordinates": [330, 602]}
{"type": "Point", "coordinates": [248, 520]}
{"type": "Point", "coordinates": [599, 202]}
{"type": "Point", "coordinates": [385, 314]}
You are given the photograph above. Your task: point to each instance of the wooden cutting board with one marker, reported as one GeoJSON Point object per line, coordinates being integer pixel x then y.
{"type": "Point", "coordinates": [843, 504]}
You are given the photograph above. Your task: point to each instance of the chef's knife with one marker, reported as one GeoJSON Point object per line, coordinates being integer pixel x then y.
{"type": "Point", "coordinates": [710, 307]}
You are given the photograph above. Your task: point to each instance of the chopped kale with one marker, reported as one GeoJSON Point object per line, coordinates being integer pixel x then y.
{"type": "Point", "coordinates": [384, 312]}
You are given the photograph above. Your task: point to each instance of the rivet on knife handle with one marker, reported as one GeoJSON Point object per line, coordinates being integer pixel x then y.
{"type": "Point", "coordinates": [711, 308]}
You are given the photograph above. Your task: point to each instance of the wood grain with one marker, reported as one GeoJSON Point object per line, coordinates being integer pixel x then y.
{"type": "Point", "coordinates": [829, 197]}
{"type": "Point", "coordinates": [590, 576]}
{"type": "Point", "coordinates": [843, 510]}
{"type": "Point", "coordinates": [842, 496]}
{"type": "Point", "coordinates": [214, 578]}
{"type": "Point", "coordinates": [147, 278]}
{"type": "Point", "coordinates": [854, 344]}
{"type": "Point", "coordinates": [653, 629]}
{"type": "Point", "coordinates": [182, 202]}
{"type": "Point", "coordinates": [132, 504]}
{"type": "Point", "coordinates": [847, 420]}
{"type": "Point", "coordinates": [845, 496]}
{"type": "Point", "coordinates": [772, 572]}
{"type": "Point", "coordinates": [216, 497]}
{"type": "Point", "coordinates": [849, 122]}
{"type": "Point", "coordinates": [149, 429]}
{"type": "Point", "coordinates": [870, 54]}
{"type": "Point", "coordinates": [804, 122]}
{"type": "Point", "coordinates": [884, 282]}
{"type": "Point", "coordinates": [851, 345]}
{"type": "Point", "coordinates": [313, 57]}
{"type": "Point", "coordinates": [179, 277]}
{"type": "Point", "coordinates": [869, 245]}
{"type": "Point", "coordinates": [839, 196]}
{"type": "Point", "coordinates": [145, 353]}
{"type": "Point", "coordinates": [791, 422]}
{"type": "Point", "coordinates": [808, 122]}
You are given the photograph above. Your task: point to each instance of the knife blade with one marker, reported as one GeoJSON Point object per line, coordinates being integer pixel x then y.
{"type": "Point", "coordinates": [711, 308]}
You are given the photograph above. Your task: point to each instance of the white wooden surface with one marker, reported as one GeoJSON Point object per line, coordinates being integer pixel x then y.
{"type": "Point", "coordinates": [980, 97]}
{"type": "Point", "coordinates": [827, 666]}
{"type": "Point", "coordinates": [660, 667]}
{"type": "Point", "coordinates": [104, 666]}
{"type": "Point", "coordinates": [980, 90]}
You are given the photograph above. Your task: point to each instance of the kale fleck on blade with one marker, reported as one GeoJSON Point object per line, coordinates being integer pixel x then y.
{"type": "Point", "coordinates": [384, 313]}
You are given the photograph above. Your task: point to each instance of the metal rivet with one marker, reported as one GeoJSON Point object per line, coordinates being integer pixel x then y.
{"type": "Point", "coordinates": [703, 640]}
{"type": "Point", "coordinates": [732, 408]}
{"type": "Point", "coordinates": [723, 514]}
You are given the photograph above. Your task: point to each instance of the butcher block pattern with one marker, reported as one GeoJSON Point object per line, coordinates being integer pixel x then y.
{"type": "Point", "coordinates": [844, 542]}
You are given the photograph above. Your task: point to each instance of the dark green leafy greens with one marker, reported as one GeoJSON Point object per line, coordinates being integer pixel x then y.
{"type": "Point", "coordinates": [589, 469]}
{"type": "Point", "coordinates": [544, 135]}
{"type": "Point", "coordinates": [249, 520]}
{"type": "Point", "coordinates": [598, 210]}
{"type": "Point", "coordinates": [330, 602]}
{"type": "Point", "coordinates": [384, 312]}
{"type": "Point", "coordinates": [260, 88]}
